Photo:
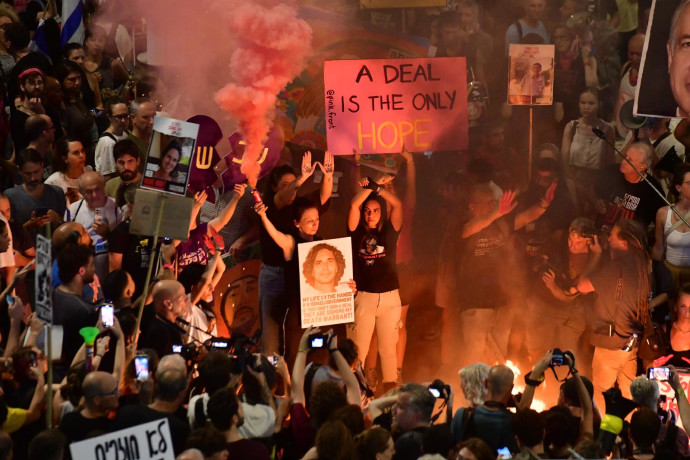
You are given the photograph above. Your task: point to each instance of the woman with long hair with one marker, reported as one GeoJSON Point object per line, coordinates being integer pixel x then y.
{"type": "Point", "coordinates": [377, 303]}
{"type": "Point", "coordinates": [69, 165]}
{"type": "Point", "coordinates": [167, 170]}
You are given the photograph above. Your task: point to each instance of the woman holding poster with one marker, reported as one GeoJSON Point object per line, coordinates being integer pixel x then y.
{"type": "Point", "coordinates": [377, 304]}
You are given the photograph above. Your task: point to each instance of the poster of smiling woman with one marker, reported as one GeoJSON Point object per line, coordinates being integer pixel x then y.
{"type": "Point", "coordinates": [326, 286]}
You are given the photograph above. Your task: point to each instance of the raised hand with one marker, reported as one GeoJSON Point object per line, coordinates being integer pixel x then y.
{"type": "Point", "coordinates": [328, 166]}
{"type": "Point", "coordinates": [507, 203]}
{"type": "Point", "coordinates": [200, 198]}
{"type": "Point", "coordinates": [307, 166]}
{"type": "Point", "coordinates": [240, 189]}
{"type": "Point", "coordinates": [260, 209]}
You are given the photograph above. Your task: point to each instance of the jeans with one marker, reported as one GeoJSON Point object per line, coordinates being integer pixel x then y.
{"type": "Point", "coordinates": [383, 311]}
{"type": "Point", "coordinates": [271, 297]}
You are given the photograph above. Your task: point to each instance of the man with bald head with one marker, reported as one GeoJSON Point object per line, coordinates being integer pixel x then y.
{"type": "Point", "coordinates": [100, 398]}
{"type": "Point", "coordinates": [631, 70]}
{"type": "Point", "coordinates": [158, 329]}
{"type": "Point", "coordinates": [98, 214]}
{"type": "Point", "coordinates": [491, 421]}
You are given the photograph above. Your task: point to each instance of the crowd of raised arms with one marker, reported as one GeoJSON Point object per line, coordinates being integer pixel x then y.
{"type": "Point", "coordinates": [508, 264]}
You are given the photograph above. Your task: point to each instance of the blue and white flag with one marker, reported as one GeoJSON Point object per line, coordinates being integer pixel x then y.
{"type": "Point", "coordinates": [72, 22]}
{"type": "Point", "coordinates": [39, 42]}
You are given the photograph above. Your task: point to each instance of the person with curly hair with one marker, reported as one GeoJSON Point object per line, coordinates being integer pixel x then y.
{"type": "Point", "coordinates": [323, 268]}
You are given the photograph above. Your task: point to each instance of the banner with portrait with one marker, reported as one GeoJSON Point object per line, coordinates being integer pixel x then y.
{"type": "Point", "coordinates": [169, 157]}
{"type": "Point", "coordinates": [530, 78]}
{"type": "Point", "coordinates": [325, 269]}
{"type": "Point", "coordinates": [661, 85]}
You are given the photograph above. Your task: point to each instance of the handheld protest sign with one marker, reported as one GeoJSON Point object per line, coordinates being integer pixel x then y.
{"type": "Point", "coordinates": [147, 441]}
{"type": "Point", "coordinates": [379, 105]}
{"type": "Point", "coordinates": [530, 78]}
{"type": "Point", "coordinates": [44, 267]}
{"type": "Point", "coordinates": [174, 217]}
{"type": "Point", "coordinates": [169, 158]}
{"type": "Point", "coordinates": [661, 90]}
{"type": "Point", "coordinates": [325, 270]}
{"type": "Point", "coordinates": [237, 300]}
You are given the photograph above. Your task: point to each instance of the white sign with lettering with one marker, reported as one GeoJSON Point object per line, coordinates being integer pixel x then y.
{"type": "Point", "coordinates": [147, 441]}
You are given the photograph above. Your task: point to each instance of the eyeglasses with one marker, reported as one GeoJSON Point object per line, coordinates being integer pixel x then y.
{"type": "Point", "coordinates": [187, 297]}
{"type": "Point", "coordinates": [120, 117]}
{"type": "Point", "coordinates": [115, 392]}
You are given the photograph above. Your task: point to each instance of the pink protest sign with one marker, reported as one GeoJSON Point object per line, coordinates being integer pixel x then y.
{"type": "Point", "coordinates": [377, 105]}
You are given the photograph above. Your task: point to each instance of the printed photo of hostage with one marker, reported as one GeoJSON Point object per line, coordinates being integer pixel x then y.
{"type": "Point", "coordinates": [326, 284]}
{"type": "Point", "coordinates": [530, 80]}
{"type": "Point", "coordinates": [170, 155]}
{"type": "Point", "coordinates": [665, 67]}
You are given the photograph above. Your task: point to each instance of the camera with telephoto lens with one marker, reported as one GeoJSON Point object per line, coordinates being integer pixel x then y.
{"type": "Point", "coordinates": [558, 358]}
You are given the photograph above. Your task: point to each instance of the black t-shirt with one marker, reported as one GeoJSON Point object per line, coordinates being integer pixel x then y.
{"type": "Point", "coordinates": [76, 427]}
{"type": "Point", "coordinates": [136, 253]}
{"type": "Point", "coordinates": [282, 220]}
{"type": "Point", "coordinates": [485, 265]}
{"type": "Point", "coordinates": [72, 313]}
{"type": "Point", "coordinates": [613, 319]}
{"type": "Point", "coordinates": [158, 334]}
{"type": "Point", "coordinates": [624, 200]}
{"type": "Point", "coordinates": [130, 416]}
{"type": "Point", "coordinates": [373, 252]}
{"type": "Point", "coordinates": [248, 449]}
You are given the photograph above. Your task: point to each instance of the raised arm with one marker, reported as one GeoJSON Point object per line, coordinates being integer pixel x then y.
{"type": "Point", "coordinates": [36, 406]}
{"type": "Point", "coordinates": [297, 390]}
{"type": "Point", "coordinates": [15, 312]}
{"type": "Point", "coordinates": [284, 241]}
{"type": "Point", "coordinates": [535, 211]}
{"type": "Point", "coordinates": [222, 219]}
{"type": "Point", "coordinates": [351, 383]}
{"type": "Point", "coordinates": [587, 420]}
{"type": "Point", "coordinates": [681, 399]}
{"type": "Point", "coordinates": [327, 168]}
{"type": "Point", "coordinates": [284, 197]}
{"type": "Point", "coordinates": [536, 375]}
{"type": "Point", "coordinates": [360, 197]}
{"type": "Point", "coordinates": [410, 201]}
{"type": "Point", "coordinates": [199, 200]}
{"type": "Point", "coordinates": [479, 223]}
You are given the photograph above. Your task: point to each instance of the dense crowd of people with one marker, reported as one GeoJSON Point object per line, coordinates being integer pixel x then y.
{"type": "Point", "coordinates": [572, 261]}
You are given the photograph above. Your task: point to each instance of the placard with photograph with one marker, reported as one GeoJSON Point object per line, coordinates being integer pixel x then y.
{"type": "Point", "coordinates": [169, 157]}
{"type": "Point", "coordinates": [530, 78]}
{"type": "Point", "coordinates": [325, 274]}
{"type": "Point", "coordinates": [661, 84]}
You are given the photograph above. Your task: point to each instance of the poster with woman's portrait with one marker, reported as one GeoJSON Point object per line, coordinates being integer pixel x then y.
{"type": "Point", "coordinates": [326, 286]}
{"type": "Point", "coordinates": [169, 158]}
{"type": "Point", "coordinates": [530, 78]}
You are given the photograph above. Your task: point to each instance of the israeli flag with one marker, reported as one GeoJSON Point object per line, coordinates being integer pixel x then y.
{"type": "Point", "coordinates": [72, 23]}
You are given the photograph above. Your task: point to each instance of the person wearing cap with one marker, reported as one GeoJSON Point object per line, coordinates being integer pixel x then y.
{"type": "Point", "coordinates": [28, 102]}
{"type": "Point", "coordinates": [17, 41]}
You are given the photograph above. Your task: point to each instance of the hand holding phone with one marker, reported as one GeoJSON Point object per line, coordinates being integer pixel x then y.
{"type": "Point", "coordinates": [141, 366]}
{"type": "Point", "coordinates": [107, 315]}
{"type": "Point", "coordinates": [660, 374]}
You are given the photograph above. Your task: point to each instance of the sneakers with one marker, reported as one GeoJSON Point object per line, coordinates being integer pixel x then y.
{"type": "Point", "coordinates": [399, 380]}
{"type": "Point", "coordinates": [372, 378]}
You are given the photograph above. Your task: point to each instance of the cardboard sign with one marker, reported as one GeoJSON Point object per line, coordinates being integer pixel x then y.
{"type": "Point", "coordinates": [377, 105]}
{"type": "Point", "coordinates": [530, 78]}
{"type": "Point", "coordinates": [655, 94]}
{"type": "Point", "coordinates": [325, 270]}
{"type": "Point", "coordinates": [177, 213]}
{"type": "Point", "coordinates": [169, 157]}
{"type": "Point", "coordinates": [43, 281]}
{"type": "Point", "coordinates": [150, 440]}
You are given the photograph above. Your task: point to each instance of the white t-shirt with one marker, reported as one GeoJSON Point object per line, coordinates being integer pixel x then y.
{"type": "Point", "coordinates": [7, 257]}
{"type": "Point", "coordinates": [79, 212]}
{"type": "Point", "coordinates": [105, 162]}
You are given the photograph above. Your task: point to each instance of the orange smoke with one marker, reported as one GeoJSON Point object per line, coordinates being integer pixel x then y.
{"type": "Point", "coordinates": [273, 46]}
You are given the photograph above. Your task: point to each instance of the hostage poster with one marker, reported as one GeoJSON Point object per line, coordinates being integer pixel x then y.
{"type": "Point", "coordinates": [325, 275]}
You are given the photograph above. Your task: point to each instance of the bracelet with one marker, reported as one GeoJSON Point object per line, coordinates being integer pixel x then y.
{"type": "Point", "coordinates": [302, 350]}
{"type": "Point", "coordinates": [532, 383]}
{"type": "Point", "coordinates": [169, 266]}
{"type": "Point", "coordinates": [332, 350]}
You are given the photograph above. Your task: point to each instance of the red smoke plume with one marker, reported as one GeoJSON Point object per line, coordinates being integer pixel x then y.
{"type": "Point", "coordinates": [273, 46]}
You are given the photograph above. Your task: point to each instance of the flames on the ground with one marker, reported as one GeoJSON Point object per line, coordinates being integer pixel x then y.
{"type": "Point", "coordinates": [519, 387]}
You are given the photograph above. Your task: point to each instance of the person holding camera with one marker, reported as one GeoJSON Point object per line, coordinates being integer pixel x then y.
{"type": "Point", "coordinates": [621, 306]}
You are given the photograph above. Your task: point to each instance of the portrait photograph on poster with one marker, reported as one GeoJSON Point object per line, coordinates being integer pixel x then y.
{"type": "Point", "coordinates": [530, 77]}
{"type": "Point", "coordinates": [325, 282]}
{"type": "Point", "coordinates": [661, 88]}
{"type": "Point", "coordinates": [170, 155]}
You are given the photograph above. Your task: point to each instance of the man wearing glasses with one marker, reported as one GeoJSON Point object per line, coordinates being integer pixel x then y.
{"type": "Point", "coordinates": [118, 115]}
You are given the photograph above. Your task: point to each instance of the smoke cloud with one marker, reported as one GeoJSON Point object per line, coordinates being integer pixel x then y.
{"type": "Point", "coordinates": [273, 47]}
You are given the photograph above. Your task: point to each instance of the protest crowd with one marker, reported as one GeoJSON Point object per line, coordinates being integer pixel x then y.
{"type": "Point", "coordinates": [516, 301]}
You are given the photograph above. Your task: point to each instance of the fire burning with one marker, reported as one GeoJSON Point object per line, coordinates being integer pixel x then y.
{"type": "Point", "coordinates": [519, 387]}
